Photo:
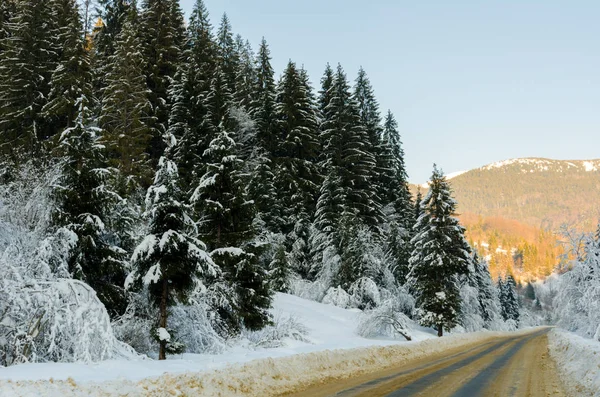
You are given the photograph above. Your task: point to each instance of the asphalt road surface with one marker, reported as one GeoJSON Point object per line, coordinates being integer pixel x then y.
{"type": "Point", "coordinates": [504, 367]}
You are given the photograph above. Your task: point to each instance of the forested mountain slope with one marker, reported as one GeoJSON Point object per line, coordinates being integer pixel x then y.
{"type": "Point", "coordinates": [535, 191]}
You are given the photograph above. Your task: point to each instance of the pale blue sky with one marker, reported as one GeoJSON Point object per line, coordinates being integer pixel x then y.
{"type": "Point", "coordinates": [470, 82]}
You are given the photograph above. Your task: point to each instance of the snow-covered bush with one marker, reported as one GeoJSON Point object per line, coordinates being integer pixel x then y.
{"type": "Point", "coordinates": [336, 296]}
{"type": "Point", "coordinates": [386, 320]}
{"type": "Point", "coordinates": [364, 294]}
{"type": "Point", "coordinates": [577, 303]}
{"type": "Point", "coordinates": [283, 327]}
{"type": "Point", "coordinates": [44, 316]}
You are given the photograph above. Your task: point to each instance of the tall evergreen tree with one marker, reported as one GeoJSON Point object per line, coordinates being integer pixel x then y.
{"type": "Point", "coordinates": [264, 106]}
{"type": "Point", "coordinates": [326, 84]}
{"type": "Point", "coordinates": [72, 77]}
{"type": "Point", "coordinates": [84, 202]}
{"type": "Point", "coordinates": [370, 119]}
{"type": "Point", "coordinates": [440, 256]}
{"type": "Point", "coordinates": [226, 224]}
{"type": "Point", "coordinates": [169, 262]}
{"type": "Point", "coordinates": [161, 28]}
{"type": "Point", "coordinates": [509, 299]}
{"type": "Point", "coordinates": [192, 101]}
{"type": "Point", "coordinates": [296, 124]}
{"type": "Point", "coordinates": [126, 111]}
{"type": "Point", "coordinates": [346, 152]}
{"type": "Point", "coordinates": [228, 53]}
{"type": "Point", "coordinates": [29, 57]}
{"type": "Point", "coordinates": [246, 75]}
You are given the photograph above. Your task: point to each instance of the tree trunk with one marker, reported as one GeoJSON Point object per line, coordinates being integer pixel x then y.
{"type": "Point", "coordinates": [440, 330]}
{"type": "Point", "coordinates": [162, 322]}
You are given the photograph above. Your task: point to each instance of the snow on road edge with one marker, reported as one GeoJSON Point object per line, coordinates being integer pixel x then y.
{"type": "Point", "coordinates": [257, 378]}
{"type": "Point", "coordinates": [578, 362]}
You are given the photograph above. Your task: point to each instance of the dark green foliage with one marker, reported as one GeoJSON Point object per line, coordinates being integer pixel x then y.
{"type": "Point", "coordinates": [347, 154]}
{"type": "Point", "coordinates": [441, 255]}
{"type": "Point", "coordinates": [169, 262]}
{"type": "Point", "coordinates": [72, 77]}
{"type": "Point", "coordinates": [262, 191]}
{"type": "Point", "coordinates": [193, 119]}
{"type": "Point", "coordinates": [509, 299]}
{"type": "Point", "coordinates": [227, 52]}
{"type": "Point", "coordinates": [162, 32]}
{"type": "Point", "coordinates": [225, 224]}
{"type": "Point", "coordinates": [264, 105]}
{"type": "Point", "coordinates": [279, 271]}
{"type": "Point", "coordinates": [298, 176]}
{"type": "Point", "coordinates": [29, 57]}
{"type": "Point", "coordinates": [84, 201]}
{"type": "Point", "coordinates": [529, 292]}
{"type": "Point", "coordinates": [125, 115]}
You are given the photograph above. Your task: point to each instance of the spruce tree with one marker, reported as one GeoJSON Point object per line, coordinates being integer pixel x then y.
{"type": "Point", "coordinates": [325, 93]}
{"type": "Point", "coordinates": [509, 299]}
{"type": "Point", "coordinates": [84, 201]}
{"type": "Point", "coordinates": [370, 119]}
{"type": "Point", "coordinates": [192, 100]}
{"type": "Point", "coordinates": [264, 106]}
{"type": "Point", "coordinates": [161, 29]}
{"type": "Point", "coordinates": [72, 77]}
{"type": "Point", "coordinates": [228, 54]}
{"type": "Point", "coordinates": [395, 193]}
{"type": "Point", "coordinates": [298, 177]}
{"type": "Point", "coordinates": [279, 271]}
{"type": "Point", "coordinates": [246, 75]}
{"type": "Point", "coordinates": [441, 255]}
{"type": "Point", "coordinates": [346, 151]}
{"type": "Point", "coordinates": [226, 225]}
{"type": "Point", "coordinates": [486, 292]}
{"type": "Point", "coordinates": [126, 111]}
{"type": "Point", "coordinates": [169, 262]}
{"type": "Point", "coordinates": [28, 59]}
{"type": "Point", "coordinates": [263, 192]}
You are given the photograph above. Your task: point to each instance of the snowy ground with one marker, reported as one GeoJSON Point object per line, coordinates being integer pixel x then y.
{"type": "Point", "coordinates": [329, 328]}
{"type": "Point", "coordinates": [578, 361]}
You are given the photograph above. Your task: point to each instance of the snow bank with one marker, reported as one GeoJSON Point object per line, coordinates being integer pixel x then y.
{"type": "Point", "coordinates": [578, 361]}
{"type": "Point", "coordinates": [329, 349]}
{"type": "Point", "coordinates": [259, 378]}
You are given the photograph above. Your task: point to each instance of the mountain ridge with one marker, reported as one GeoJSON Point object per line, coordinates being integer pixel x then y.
{"type": "Point", "coordinates": [537, 191]}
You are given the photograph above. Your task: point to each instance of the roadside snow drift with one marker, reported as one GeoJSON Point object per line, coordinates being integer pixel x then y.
{"type": "Point", "coordinates": [331, 350]}
{"type": "Point", "coordinates": [578, 361]}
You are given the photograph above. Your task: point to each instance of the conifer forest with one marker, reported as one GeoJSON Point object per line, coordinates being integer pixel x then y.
{"type": "Point", "coordinates": [161, 184]}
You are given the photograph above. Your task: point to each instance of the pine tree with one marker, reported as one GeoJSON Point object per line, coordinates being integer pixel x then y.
{"type": "Point", "coordinates": [226, 224]}
{"type": "Point", "coordinates": [296, 123]}
{"type": "Point", "coordinates": [72, 77]}
{"type": "Point", "coordinates": [418, 210]}
{"type": "Point", "coordinates": [441, 255]}
{"type": "Point", "coordinates": [126, 110]}
{"type": "Point", "coordinates": [169, 262]}
{"type": "Point", "coordinates": [29, 57]}
{"type": "Point", "coordinates": [161, 28]}
{"type": "Point", "coordinates": [84, 201]}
